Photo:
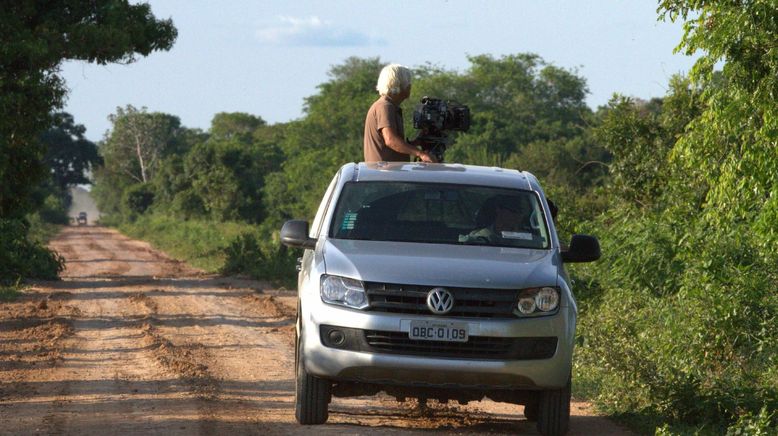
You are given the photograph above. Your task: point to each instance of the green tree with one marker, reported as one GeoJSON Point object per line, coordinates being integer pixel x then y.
{"type": "Point", "coordinates": [235, 125]}
{"type": "Point", "coordinates": [35, 38]}
{"type": "Point", "coordinates": [69, 155]}
{"type": "Point", "coordinates": [225, 173]}
{"type": "Point", "coordinates": [172, 185]}
{"type": "Point", "coordinates": [730, 147]}
{"type": "Point", "coordinates": [691, 274]}
{"type": "Point", "coordinates": [515, 100]}
{"type": "Point", "coordinates": [132, 152]}
{"type": "Point", "coordinates": [138, 141]}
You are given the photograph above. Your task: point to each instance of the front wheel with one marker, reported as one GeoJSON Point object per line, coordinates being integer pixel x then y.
{"type": "Point", "coordinates": [553, 412]}
{"type": "Point", "coordinates": [531, 410]}
{"type": "Point", "coordinates": [312, 396]}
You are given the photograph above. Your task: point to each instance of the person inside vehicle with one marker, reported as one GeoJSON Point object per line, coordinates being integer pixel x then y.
{"type": "Point", "coordinates": [384, 138]}
{"type": "Point", "coordinates": [499, 218]}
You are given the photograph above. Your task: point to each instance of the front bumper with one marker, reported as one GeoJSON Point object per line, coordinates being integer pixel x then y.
{"type": "Point", "coordinates": [448, 372]}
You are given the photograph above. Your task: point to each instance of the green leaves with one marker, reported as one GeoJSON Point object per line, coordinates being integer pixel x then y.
{"type": "Point", "coordinates": [731, 146]}
{"type": "Point", "coordinates": [515, 101]}
{"type": "Point", "coordinates": [35, 37]}
{"type": "Point", "coordinates": [698, 171]}
{"type": "Point", "coordinates": [69, 154]}
{"type": "Point", "coordinates": [21, 258]}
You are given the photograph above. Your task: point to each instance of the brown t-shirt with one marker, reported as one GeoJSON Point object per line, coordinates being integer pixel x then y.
{"type": "Point", "coordinates": [383, 113]}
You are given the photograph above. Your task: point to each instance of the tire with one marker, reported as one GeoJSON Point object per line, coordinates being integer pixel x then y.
{"type": "Point", "coordinates": [531, 411]}
{"type": "Point", "coordinates": [312, 394]}
{"type": "Point", "coordinates": [553, 412]}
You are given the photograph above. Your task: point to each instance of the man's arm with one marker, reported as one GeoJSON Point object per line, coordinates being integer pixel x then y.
{"type": "Point", "coordinates": [396, 143]}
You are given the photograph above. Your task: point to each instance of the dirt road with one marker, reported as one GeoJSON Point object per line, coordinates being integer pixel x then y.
{"type": "Point", "coordinates": [134, 342]}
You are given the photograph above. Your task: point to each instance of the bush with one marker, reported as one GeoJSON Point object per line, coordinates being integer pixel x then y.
{"type": "Point", "coordinates": [187, 205]}
{"type": "Point", "coordinates": [761, 424]}
{"type": "Point", "coordinates": [138, 198]}
{"type": "Point", "coordinates": [245, 255]}
{"type": "Point", "coordinates": [55, 210]}
{"type": "Point", "coordinates": [21, 258]}
{"type": "Point", "coordinates": [684, 327]}
{"type": "Point", "coordinates": [228, 247]}
{"type": "Point", "coordinates": [201, 243]}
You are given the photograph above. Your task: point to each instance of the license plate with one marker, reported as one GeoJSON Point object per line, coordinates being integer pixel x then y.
{"type": "Point", "coordinates": [438, 331]}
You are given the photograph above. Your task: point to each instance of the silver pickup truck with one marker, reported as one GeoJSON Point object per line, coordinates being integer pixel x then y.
{"type": "Point", "coordinates": [440, 281]}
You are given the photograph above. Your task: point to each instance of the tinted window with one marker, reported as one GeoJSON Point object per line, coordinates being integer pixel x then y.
{"type": "Point", "coordinates": [437, 213]}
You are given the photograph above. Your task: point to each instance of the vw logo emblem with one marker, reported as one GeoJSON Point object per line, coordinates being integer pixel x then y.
{"type": "Point", "coordinates": [440, 301]}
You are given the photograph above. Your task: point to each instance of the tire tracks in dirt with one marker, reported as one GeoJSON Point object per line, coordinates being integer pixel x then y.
{"type": "Point", "coordinates": [186, 361]}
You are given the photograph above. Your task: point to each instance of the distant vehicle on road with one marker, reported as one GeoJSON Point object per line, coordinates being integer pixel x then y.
{"type": "Point", "coordinates": [82, 221]}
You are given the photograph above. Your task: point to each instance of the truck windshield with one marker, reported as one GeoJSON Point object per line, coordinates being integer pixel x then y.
{"type": "Point", "coordinates": [440, 214]}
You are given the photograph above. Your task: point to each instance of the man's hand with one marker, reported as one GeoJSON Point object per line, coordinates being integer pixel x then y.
{"type": "Point", "coordinates": [397, 143]}
{"type": "Point", "coordinates": [426, 157]}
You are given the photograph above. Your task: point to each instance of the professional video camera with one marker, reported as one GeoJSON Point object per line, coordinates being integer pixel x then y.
{"type": "Point", "coordinates": [433, 118]}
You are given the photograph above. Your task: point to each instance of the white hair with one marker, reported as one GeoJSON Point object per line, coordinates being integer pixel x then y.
{"type": "Point", "coordinates": [394, 78]}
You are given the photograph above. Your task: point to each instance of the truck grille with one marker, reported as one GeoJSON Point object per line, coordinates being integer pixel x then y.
{"type": "Point", "coordinates": [480, 347]}
{"type": "Point", "coordinates": [468, 302]}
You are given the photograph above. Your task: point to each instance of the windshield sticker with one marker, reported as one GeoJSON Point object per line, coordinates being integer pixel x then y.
{"type": "Point", "coordinates": [349, 219]}
{"type": "Point", "coordinates": [517, 235]}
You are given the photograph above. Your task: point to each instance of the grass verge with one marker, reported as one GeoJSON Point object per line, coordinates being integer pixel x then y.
{"type": "Point", "coordinates": [41, 231]}
{"type": "Point", "coordinates": [200, 243]}
{"type": "Point", "coordinates": [219, 247]}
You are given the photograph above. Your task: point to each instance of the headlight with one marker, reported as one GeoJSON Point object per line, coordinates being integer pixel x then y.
{"type": "Point", "coordinates": [343, 291]}
{"type": "Point", "coordinates": [537, 301]}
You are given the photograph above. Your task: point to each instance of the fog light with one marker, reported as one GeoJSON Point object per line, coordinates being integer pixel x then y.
{"type": "Point", "coordinates": [336, 337]}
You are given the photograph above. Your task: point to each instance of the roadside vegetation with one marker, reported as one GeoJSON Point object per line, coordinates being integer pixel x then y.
{"type": "Point", "coordinates": [42, 151]}
{"type": "Point", "coordinates": [678, 325]}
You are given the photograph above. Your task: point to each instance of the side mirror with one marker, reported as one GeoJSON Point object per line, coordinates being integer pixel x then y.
{"type": "Point", "coordinates": [583, 248]}
{"type": "Point", "coordinates": [294, 233]}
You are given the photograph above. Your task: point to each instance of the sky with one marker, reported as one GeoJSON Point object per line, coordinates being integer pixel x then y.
{"type": "Point", "coordinates": [265, 57]}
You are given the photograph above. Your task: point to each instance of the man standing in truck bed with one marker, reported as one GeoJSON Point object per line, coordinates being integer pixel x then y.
{"type": "Point", "coordinates": [384, 132]}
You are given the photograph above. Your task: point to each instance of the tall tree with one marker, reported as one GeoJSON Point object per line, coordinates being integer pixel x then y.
{"type": "Point", "coordinates": [235, 125]}
{"type": "Point", "coordinates": [731, 147]}
{"type": "Point", "coordinates": [69, 155]}
{"type": "Point", "coordinates": [226, 172]}
{"type": "Point", "coordinates": [515, 100]}
{"type": "Point", "coordinates": [138, 141]}
{"type": "Point", "coordinates": [35, 38]}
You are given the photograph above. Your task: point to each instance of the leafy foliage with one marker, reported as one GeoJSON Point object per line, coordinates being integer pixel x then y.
{"type": "Point", "coordinates": [138, 141]}
{"type": "Point", "coordinates": [20, 257]}
{"type": "Point", "coordinates": [138, 198]}
{"type": "Point", "coordinates": [69, 155]}
{"type": "Point", "coordinates": [273, 261]}
{"type": "Point", "coordinates": [730, 147]}
{"type": "Point", "coordinates": [35, 38]}
{"type": "Point", "coordinates": [515, 101]}
{"type": "Point", "coordinates": [679, 318]}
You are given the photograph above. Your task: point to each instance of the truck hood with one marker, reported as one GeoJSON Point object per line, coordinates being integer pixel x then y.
{"type": "Point", "coordinates": [467, 266]}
